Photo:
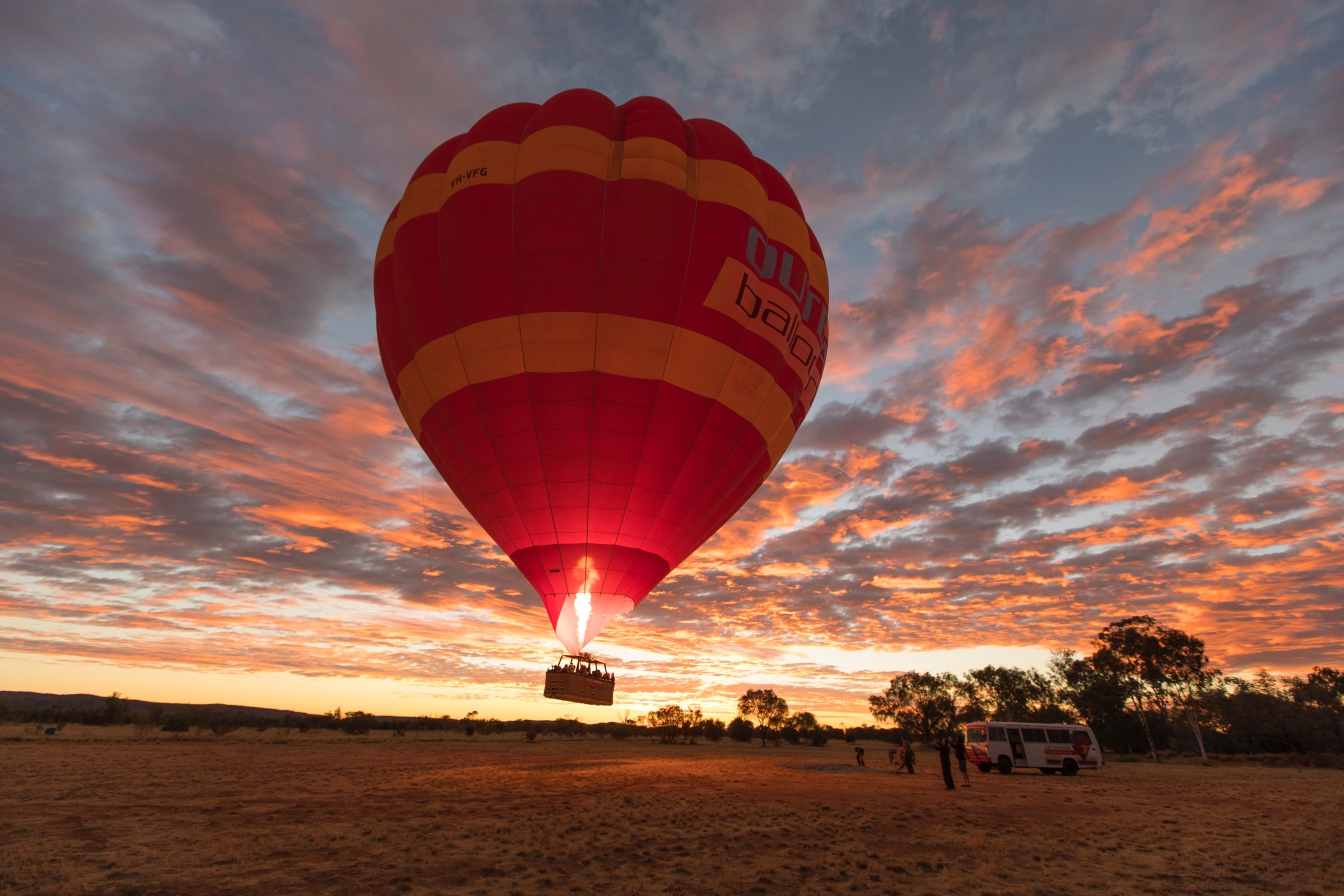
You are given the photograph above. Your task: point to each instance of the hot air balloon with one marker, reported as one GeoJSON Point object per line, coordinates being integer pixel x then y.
{"type": "Point", "coordinates": [604, 325]}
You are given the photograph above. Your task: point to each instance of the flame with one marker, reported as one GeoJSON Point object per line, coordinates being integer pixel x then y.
{"type": "Point", "coordinates": [583, 600]}
{"type": "Point", "coordinates": [583, 606]}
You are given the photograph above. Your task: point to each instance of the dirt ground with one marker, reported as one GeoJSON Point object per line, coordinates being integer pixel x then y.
{"type": "Point", "coordinates": [320, 812]}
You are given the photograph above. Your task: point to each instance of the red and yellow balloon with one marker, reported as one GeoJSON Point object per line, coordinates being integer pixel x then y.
{"type": "Point", "coordinates": [604, 325]}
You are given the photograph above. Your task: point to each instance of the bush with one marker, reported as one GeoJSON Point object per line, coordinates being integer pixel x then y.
{"type": "Point", "coordinates": [222, 727]}
{"type": "Point", "coordinates": [531, 735]}
{"type": "Point", "coordinates": [469, 730]}
{"type": "Point", "coordinates": [819, 738]}
{"type": "Point", "coordinates": [739, 729]}
{"type": "Point", "coordinates": [713, 730]}
{"type": "Point", "coordinates": [357, 722]}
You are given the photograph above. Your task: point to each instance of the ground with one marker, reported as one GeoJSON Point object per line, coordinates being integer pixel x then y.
{"type": "Point", "coordinates": [99, 811]}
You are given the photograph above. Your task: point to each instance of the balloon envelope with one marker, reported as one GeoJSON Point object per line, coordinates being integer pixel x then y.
{"type": "Point", "coordinates": [604, 325]}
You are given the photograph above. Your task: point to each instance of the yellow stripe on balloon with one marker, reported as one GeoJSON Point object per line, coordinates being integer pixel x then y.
{"type": "Point", "coordinates": [576, 341]}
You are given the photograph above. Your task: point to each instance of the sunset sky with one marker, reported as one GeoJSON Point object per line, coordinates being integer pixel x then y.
{"type": "Point", "coordinates": [1087, 359]}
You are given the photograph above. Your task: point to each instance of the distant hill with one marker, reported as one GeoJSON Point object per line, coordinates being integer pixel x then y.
{"type": "Point", "coordinates": [85, 702]}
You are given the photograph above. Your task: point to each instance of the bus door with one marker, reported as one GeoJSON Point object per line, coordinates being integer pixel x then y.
{"type": "Point", "coordinates": [1019, 751]}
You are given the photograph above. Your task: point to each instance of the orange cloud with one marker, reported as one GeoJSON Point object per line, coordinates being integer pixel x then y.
{"type": "Point", "coordinates": [1235, 189]}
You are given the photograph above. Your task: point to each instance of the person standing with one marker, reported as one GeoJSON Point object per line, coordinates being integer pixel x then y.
{"type": "Point", "coordinates": [959, 748]}
{"type": "Point", "coordinates": [945, 760]}
{"type": "Point", "coordinates": [907, 757]}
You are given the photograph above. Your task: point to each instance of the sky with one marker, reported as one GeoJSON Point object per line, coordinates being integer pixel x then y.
{"type": "Point", "coordinates": [1087, 353]}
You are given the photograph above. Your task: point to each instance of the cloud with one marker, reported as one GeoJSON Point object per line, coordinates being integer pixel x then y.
{"type": "Point", "coordinates": [1234, 192]}
{"type": "Point", "coordinates": [749, 55]}
{"type": "Point", "coordinates": [1140, 68]}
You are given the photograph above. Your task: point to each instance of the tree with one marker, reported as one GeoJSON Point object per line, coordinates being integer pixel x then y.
{"type": "Point", "coordinates": [672, 721]}
{"type": "Point", "coordinates": [118, 709]}
{"type": "Point", "coordinates": [924, 702]}
{"type": "Point", "coordinates": [1132, 650]}
{"type": "Point", "coordinates": [666, 722]}
{"type": "Point", "coordinates": [1006, 694]}
{"type": "Point", "coordinates": [1095, 694]}
{"type": "Point", "coordinates": [1185, 669]}
{"type": "Point", "coordinates": [691, 719]}
{"type": "Point", "coordinates": [804, 722]}
{"type": "Point", "coordinates": [768, 710]}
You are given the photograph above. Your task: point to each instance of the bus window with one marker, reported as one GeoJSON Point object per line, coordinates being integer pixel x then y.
{"type": "Point", "coordinates": [1057, 735]}
{"type": "Point", "coordinates": [996, 733]}
{"type": "Point", "coordinates": [1033, 735]}
{"type": "Point", "coordinates": [975, 735]}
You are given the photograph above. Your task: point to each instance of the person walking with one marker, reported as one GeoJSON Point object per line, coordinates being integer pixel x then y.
{"type": "Point", "coordinates": [907, 757]}
{"type": "Point", "coordinates": [945, 761]}
{"type": "Point", "coordinates": [959, 749]}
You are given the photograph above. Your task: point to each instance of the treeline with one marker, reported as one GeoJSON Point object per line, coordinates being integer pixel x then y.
{"type": "Point", "coordinates": [667, 724]}
{"type": "Point", "coordinates": [182, 719]}
{"type": "Point", "coordinates": [1144, 688]}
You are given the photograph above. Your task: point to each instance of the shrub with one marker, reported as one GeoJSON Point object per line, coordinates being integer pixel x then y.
{"type": "Point", "coordinates": [531, 735]}
{"type": "Point", "coordinates": [818, 738]}
{"type": "Point", "coordinates": [739, 729]}
{"type": "Point", "coordinates": [357, 722]}
{"type": "Point", "coordinates": [222, 725]}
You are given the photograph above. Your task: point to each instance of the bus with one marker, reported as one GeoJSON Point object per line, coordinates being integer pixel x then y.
{"type": "Point", "coordinates": [1051, 748]}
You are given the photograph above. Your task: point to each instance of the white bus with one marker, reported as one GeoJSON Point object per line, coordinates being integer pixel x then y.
{"type": "Point", "coordinates": [1050, 748]}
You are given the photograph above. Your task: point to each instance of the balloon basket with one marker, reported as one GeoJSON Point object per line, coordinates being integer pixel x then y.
{"type": "Point", "coordinates": [580, 679]}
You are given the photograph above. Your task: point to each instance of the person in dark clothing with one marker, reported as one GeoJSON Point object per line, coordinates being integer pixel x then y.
{"type": "Point", "coordinates": [959, 749]}
{"type": "Point", "coordinates": [945, 760]}
{"type": "Point", "coordinates": [858, 756]}
{"type": "Point", "coordinates": [907, 757]}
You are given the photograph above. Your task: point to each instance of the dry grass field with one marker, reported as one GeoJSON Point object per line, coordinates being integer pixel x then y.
{"type": "Point", "coordinates": [98, 811]}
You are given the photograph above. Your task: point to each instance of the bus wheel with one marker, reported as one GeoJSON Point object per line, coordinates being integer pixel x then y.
{"type": "Point", "coordinates": [1005, 765]}
{"type": "Point", "coordinates": [1049, 771]}
{"type": "Point", "coordinates": [1070, 767]}
{"type": "Point", "coordinates": [985, 767]}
